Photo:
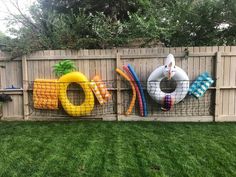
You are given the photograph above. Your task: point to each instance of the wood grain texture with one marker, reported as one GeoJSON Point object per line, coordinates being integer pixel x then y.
{"type": "Point", "coordinates": [219, 100]}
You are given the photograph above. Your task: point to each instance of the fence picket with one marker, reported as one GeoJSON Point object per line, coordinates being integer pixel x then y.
{"type": "Point", "coordinates": [220, 62]}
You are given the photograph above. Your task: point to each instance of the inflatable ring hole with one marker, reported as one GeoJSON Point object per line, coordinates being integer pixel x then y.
{"type": "Point", "coordinates": [168, 86]}
{"type": "Point", "coordinates": [75, 94]}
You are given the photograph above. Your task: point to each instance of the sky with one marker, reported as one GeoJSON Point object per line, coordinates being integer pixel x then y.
{"type": "Point", "coordinates": [6, 5]}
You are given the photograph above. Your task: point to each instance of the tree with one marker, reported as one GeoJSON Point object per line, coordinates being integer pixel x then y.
{"type": "Point", "coordinates": [77, 24]}
{"type": "Point", "coordinates": [117, 10]}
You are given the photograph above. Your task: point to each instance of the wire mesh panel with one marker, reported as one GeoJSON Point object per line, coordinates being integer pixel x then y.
{"type": "Point", "coordinates": [188, 106]}
{"type": "Point", "coordinates": [78, 100]}
{"type": "Point", "coordinates": [76, 96]}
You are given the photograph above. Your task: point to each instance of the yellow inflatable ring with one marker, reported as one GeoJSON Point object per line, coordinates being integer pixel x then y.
{"type": "Point", "coordinates": [87, 106]}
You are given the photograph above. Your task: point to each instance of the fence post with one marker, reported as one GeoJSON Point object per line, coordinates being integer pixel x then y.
{"type": "Point", "coordinates": [25, 88]}
{"type": "Point", "coordinates": [218, 83]}
{"type": "Point", "coordinates": [118, 88]}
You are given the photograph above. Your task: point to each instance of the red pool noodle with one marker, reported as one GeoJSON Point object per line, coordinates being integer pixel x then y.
{"type": "Point", "coordinates": [136, 88]}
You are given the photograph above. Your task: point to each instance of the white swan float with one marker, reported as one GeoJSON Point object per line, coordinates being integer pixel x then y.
{"type": "Point", "coordinates": [170, 71]}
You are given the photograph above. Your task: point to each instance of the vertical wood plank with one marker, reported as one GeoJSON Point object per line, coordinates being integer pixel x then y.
{"type": "Point", "coordinates": [25, 87]}
{"type": "Point", "coordinates": [86, 64]}
{"type": "Point", "coordinates": [3, 76]}
{"type": "Point", "coordinates": [209, 68]}
{"type": "Point", "coordinates": [202, 68]}
{"type": "Point", "coordinates": [218, 84]}
{"type": "Point", "coordinates": [221, 49]}
{"type": "Point", "coordinates": [179, 62]}
{"type": "Point", "coordinates": [98, 68]}
{"type": "Point", "coordinates": [233, 82]}
{"type": "Point", "coordinates": [118, 87]}
{"type": "Point", "coordinates": [196, 71]}
{"type": "Point", "coordinates": [232, 78]}
{"type": "Point", "coordinates": [226, 78]}
{"type": "Point", "coordinates": [190, 75]}
{"type": "Point", "coordinates": [92, 65]}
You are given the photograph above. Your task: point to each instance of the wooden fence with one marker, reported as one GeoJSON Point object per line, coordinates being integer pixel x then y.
{"type": "Point", "coordinates": [218, 104]}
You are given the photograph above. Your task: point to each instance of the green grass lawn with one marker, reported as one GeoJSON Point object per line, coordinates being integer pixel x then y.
{"type": "Point", "coordinates": [117, 149]}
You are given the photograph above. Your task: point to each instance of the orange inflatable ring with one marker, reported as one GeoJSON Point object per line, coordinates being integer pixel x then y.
{"type": "Point", "coordinates": [133, 90]}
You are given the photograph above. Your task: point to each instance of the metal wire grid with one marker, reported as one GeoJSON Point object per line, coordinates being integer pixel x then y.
{"type": "Point", "coordinates": [76, 96]}
{"type": "Point", "coordinates": [190, 106]}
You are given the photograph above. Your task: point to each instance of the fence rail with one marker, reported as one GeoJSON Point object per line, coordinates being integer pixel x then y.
{"type": "Point", "coordinates": [218, 104]}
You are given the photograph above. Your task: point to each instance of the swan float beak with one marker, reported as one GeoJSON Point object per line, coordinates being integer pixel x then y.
{"type": "Point", "coordinates": [169, 68]}
{"type": "Point", "coordinates": [169, 75]}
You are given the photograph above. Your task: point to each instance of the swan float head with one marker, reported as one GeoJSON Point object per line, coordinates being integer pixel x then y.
{"type": "Point", "coordinates": [169, 69]}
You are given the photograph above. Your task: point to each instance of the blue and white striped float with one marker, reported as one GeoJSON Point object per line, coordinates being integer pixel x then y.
{"type": "Point", "coordinates": [200, 85]}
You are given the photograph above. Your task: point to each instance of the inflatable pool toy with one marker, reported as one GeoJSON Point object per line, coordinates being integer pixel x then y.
{"type": "Point", "coordinates": [135, 76]}
{"type": "Point", "coordinates": [102, 87]}
{"type": "Point", "coordinates": [133, 90]}
{"type": "Point", "coordinates": [45, 94]}
{"type": "Point", "coordinates": [169, 70]}
{"type": "Point", "coordinates": [99, 89]}
{"type": "Point", "coordinates": [167, 103]}
{"type": "Point", "coordinates": [96, 91]}
{"type": "Point", "coordinates": [136, 88]}
{"type": "Point", "coordinates": [87, 106]}
{"type": "Point", "coordinates": [200, 85]}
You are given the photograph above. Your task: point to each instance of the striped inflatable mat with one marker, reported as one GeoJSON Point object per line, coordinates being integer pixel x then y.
{"type": "Point", "coordinates": [200, 85]}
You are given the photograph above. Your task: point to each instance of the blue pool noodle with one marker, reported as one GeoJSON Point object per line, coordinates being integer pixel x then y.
{"type": "Point", "coordinates": [131, 69]}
